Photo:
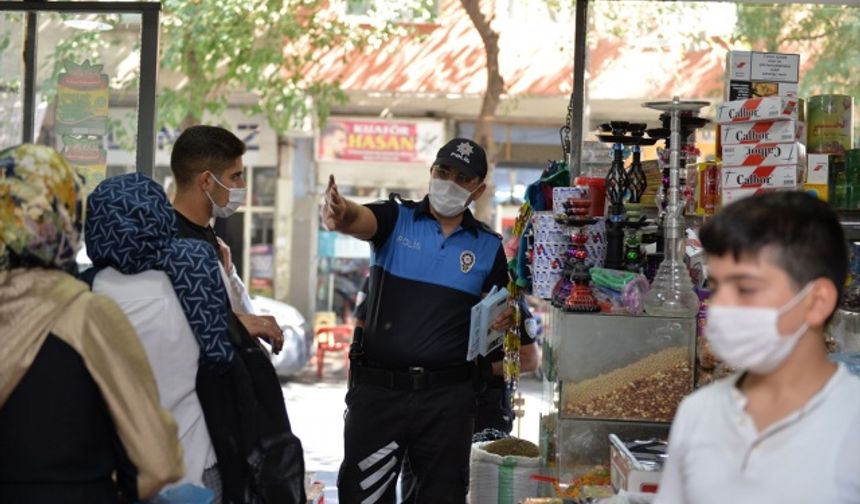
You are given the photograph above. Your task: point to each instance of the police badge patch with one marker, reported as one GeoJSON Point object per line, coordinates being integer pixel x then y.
{"type": "Point", "coordinates": [467, 260]}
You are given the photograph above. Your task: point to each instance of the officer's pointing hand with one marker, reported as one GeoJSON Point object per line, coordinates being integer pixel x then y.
{"type": "Point", "coordinates": [335, 207]}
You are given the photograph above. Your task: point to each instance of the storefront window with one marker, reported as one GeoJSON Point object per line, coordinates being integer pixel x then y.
{"type": "Point", "coordinates": [11, 77]}
{"type": "Point", "coordinates": [87, 64]}
{"type": "Point", "coordinates": [262, 254]}
{"type": "Point", "coordinates": [265, 183]}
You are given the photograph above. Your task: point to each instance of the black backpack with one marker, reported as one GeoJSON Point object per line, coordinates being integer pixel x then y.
{"type": "Point", "coordinates": [260, 460]}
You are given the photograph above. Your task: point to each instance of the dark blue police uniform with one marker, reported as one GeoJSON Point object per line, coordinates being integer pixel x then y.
{"type": "Point", "coordinates": [412, 390]}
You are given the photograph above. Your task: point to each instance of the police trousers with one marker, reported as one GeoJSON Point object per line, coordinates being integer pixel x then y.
{"type": "Point", "coordinates": [433, 427]}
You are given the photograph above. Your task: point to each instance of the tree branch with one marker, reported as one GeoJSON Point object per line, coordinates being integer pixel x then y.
{"type": "Point", "coordinates": [492, 97]}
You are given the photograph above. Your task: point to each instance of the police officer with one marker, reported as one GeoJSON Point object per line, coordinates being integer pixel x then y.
{"type": "Point", "coordinates": [412, 389]}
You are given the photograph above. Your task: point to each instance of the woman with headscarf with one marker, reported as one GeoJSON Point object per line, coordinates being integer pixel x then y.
{"type": "Point", "coordinates": [224, 392]}
{"type": "Point", "coordinates": [171, 291]}
{"type": "Point", "coordinates": [80, 420]}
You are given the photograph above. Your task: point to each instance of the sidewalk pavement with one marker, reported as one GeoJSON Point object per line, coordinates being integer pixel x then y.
{"type": "Point", "coordinates": [316, 412]}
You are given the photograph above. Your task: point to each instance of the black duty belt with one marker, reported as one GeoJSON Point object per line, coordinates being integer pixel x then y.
{"type": "Point", "coordinates": [413, 378]}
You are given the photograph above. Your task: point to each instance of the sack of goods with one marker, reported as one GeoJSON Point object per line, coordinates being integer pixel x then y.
{"type": "Point", "coordinates": [501, 471]}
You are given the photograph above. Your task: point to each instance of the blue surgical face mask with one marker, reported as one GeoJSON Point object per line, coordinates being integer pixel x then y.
{"type": "Point", "coordinates": [235, 200]}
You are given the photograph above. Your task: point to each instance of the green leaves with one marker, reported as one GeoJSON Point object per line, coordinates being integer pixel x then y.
{"type": "Point", "coordinates": [258, 48]}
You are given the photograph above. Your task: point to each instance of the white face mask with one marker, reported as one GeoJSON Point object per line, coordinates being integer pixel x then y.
{"type": "Point", "coordinates": [748, 338]}
{"type": "Point", "coordinates": [235, 200]}
{"type": "Point", "coordinates": [448, 198]}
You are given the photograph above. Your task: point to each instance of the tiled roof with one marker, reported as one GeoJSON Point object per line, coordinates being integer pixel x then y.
{"type": "Point", "coordinates": [448, 57]}
{"type": "Point", "coordinates": [535, 60]}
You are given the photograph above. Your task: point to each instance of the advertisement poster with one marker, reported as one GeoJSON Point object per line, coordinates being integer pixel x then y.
{"type": "Point", "coordinates": [379, 140]}
{"type": "Point", "coordinates": [82, 100]}
{"type": "Point", "coordinates": [262, 268]}
{"type": "Point", "coordinates": [88, 157]}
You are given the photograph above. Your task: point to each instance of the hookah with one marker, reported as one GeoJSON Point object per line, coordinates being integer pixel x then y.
{"type": "Point", "coordinates": [689, 123]}
{"type": "Point", "coordinates": [653, 260]}
{"type": "Point", "coordinates": [573, 292]}
{"type": "Point", "coordinates": [672, 291]}
{"type": "Point", "coordinates": [617, 182]}
{"type": "Point", "coordinates": [638, 183]}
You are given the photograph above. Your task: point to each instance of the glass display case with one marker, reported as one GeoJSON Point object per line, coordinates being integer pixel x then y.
{"type": "Point", "coordinates": [610, 374]}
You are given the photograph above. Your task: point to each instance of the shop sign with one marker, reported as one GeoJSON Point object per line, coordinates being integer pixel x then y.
{"type": "Point", "coordinates": [260, 139]}
{"type": "Point", "coordinates": [380, 140]}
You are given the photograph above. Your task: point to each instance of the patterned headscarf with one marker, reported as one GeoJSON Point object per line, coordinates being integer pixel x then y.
{"type": "Point", "coordinates": [132, 227]}
{"type": "Point", "coordinates": [40, 209]}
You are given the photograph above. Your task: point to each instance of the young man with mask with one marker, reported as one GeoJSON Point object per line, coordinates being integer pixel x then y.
{"type": "Point", "coordinates": [786, 427]}
{"type": "Point", "coordinates": [242, 403]}
{"type": "Point", "coordinates": [207, 166]}
{"type": "Point", "coordinates": [412, 389]}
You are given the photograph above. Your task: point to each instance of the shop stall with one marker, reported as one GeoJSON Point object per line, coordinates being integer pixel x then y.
{"type": "Point", "coordinates": [609, 241]}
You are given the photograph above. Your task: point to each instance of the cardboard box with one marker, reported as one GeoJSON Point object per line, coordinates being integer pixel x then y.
{"type": "Point", "coordinates": [732, 195]}
{"type": "Point", "coordinates": [560, 195]}
{"type": "Point", "coordinates": [547, 230]}
{"type": "Point", "coordinates": [757, 109]}
{"type": "Point", "coordinates": [762, 66]}
{"type": "Point", "coordinates": [763, 154]}
{"type": "Point", "coordinates": [818, 170]}
{"type": "Point", "coordinates": [742, 90]}
{"type": "Point", "coordinates": [630, 474]}
{"type": "Point", "coordinates": [759, 176]}
{"type": "Point", "coordinates": [544, 281]}
{"type": "Point", "coordinates": [762, 132]}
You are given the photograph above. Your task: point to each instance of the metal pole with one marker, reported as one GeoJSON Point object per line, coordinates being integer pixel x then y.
{"type": "Point", "coordinates": [30, 38]}
{"type": "Point", "coordinates": [581, 26]}
{"type": "Point", "coordinates": [146, 112]}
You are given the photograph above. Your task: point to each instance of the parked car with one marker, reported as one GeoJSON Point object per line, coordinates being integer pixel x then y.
{"type": "Point", "coordinates": [298, 335]}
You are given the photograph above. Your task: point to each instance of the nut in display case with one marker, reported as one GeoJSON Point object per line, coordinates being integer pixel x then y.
{"type": "Point", "coordinates": [617, 367]}
{"type": "Point", "coordinates": [648, 389]}
{"type": "Point", "coordinates": [610, 374]}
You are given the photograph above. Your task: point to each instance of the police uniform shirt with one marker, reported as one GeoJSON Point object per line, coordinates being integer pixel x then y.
{"type": "Point", "coordinates": [423, 285]}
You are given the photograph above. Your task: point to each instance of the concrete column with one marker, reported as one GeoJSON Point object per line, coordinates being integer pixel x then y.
{"type": "Point", "coordinates": [284, 211]}
{"type": "Point", "coordinates": [304, 222]}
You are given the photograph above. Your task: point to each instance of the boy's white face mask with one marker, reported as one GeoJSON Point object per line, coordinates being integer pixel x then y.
{"type": "Point", "coordinates": [748, 338]}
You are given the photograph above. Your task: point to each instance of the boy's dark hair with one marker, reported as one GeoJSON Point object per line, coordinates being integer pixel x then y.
{"type": "Point", "coordinates": [802, 232]}
{"type": "Point", "coordinates": [203, 148]}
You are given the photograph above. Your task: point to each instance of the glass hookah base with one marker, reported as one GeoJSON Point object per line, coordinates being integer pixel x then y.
{"type": "Point", "coordinates": [672, 292]}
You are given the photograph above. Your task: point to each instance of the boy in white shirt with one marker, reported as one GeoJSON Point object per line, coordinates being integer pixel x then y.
{"type": "Point", "coordinates": [786, 428]}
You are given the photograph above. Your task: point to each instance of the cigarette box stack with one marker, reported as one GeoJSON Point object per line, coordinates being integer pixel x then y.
{"type": "Point", "coordinates": [751, 74]}
{"type": "Point", "coordinates": [762, 147]}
